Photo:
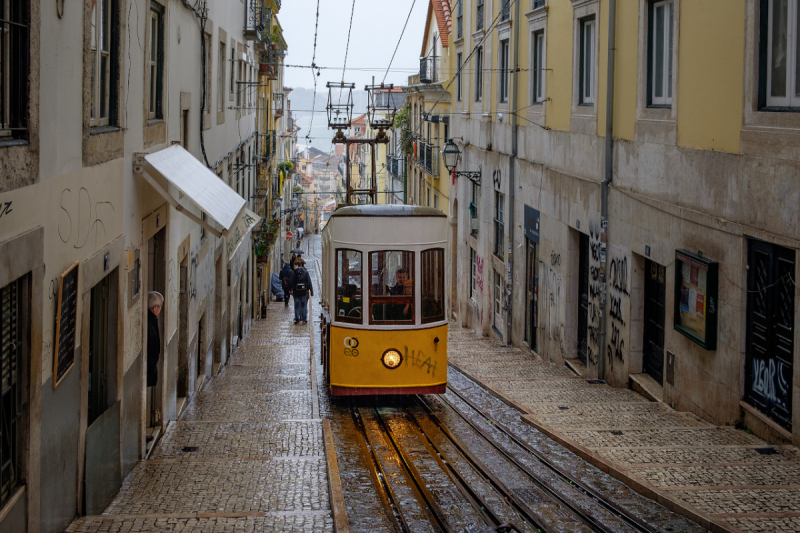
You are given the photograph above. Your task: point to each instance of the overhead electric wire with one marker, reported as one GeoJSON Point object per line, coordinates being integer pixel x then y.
{"type": "Point", "coordinates": [398, 40]}
{"type": "Point", "coordinates": [347, 48]}
{"type": "Point", "coordinates": [313, 77]}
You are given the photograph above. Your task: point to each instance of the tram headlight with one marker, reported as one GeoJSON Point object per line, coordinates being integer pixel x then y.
{"type": "Point", "coordinates": [391, 358]}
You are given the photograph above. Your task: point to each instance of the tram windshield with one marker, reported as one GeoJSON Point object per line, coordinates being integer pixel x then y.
{"type": "Point", "coordinates": [432, 263]}
{"type": "Point", "coordinates": [348, 286]}
{"type": "Point", "coordinates": [392, 287]}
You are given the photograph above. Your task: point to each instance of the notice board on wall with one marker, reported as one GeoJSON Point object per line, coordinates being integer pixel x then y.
{"type": "Point", "coordinates": [66, 321]}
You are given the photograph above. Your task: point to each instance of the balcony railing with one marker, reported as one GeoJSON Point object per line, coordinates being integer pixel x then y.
{"type": "Point", "coordinates": [395, 165]}
{"type": "Point", "coordinates": [257, 19]}
{"type": "Point", "coordinates": [429, 69]}
{"type": "Point", "coordinates": [277, 104]}
{"type": "Point", "coordinates": [268, 61]}
{"type": "Point", "coordinates": [428, 158]}
{"type": "Point", "coordinates": [267, 143]}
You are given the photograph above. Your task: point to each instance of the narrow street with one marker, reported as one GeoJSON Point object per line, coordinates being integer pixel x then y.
{"type": "Point", "coordinates": [503, 446]}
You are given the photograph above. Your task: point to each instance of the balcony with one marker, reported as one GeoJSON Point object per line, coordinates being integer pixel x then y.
{"type": "Point", "coordinates": [277, 104]}
{"type": "Point", "coordinates": [429, 69]}
{"type": "Point", "coordinates": [267, 143]}
{"type": "Point", "coordinates": [428, 158]}
{"type": "Point", "coordinates": [395, 165]}
{"type": "Point", "coordinates": [269, 60]}
{"type": "Point", "coordinates": [257, 19]}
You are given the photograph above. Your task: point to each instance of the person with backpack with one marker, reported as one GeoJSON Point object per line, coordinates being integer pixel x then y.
{"type": "Point", "coordinates": [300, 286]}
{"type": "Point", "coordinates": [285, 276]}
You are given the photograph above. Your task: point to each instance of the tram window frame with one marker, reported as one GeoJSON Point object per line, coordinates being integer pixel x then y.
{"type": "Point", "coordinates": [392, 299]}
{"type": "Point", "coordinates": [432, 276]}
{"type": "Point", "coordinates": [359, 291]}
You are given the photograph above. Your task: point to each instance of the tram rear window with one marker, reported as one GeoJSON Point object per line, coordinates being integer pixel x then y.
{"type": "Point", "coordinates": [391, 287]}
{"type": "Point", "coordinates": [432, 263]}
{"type": "Point", "coordinates": [348, 286]}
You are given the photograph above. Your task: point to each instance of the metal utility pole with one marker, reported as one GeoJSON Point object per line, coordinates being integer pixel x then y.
{"type": "Point", "coordinates": [512, 179]}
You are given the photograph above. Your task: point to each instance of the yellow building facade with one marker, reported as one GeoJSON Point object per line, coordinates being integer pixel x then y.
{"type": "Point", "coordinates": [578, 242]}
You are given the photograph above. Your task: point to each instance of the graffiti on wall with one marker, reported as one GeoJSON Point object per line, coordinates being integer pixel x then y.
{"type": "Point", "coordinates": [81, 218]}
{"type": "Point", "coordinates": [551, 290]}
{"type": "Point", "coordinates": [479, 273]}
{"type": "Point", "coordinates": [596, 278]}
{"type": "Point", "coordinates": [770, 380]}
{"type": "Point", "coordinates": [618, 282]}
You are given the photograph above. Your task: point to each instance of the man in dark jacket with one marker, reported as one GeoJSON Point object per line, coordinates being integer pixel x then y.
{"type": "Point", "coordinates": [285, 275]}
{"type": "Point", "coordinates": [300, 285]}
{"type": "Point", "coordinates": [155, 302]}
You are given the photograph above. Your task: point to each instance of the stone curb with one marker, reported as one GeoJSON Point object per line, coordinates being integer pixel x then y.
{"type": "Point", "coordinates": [645, 489]}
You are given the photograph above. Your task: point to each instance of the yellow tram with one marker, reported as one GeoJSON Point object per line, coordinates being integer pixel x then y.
{"type": "Point", "coordinates": [384, 327]}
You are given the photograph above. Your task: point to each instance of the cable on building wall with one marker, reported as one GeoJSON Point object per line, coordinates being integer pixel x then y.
{"type": "Point", "coordinates": [200, 11]}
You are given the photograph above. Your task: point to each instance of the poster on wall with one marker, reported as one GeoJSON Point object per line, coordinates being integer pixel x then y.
{"type": "Point", "coordinates": [696, 285]}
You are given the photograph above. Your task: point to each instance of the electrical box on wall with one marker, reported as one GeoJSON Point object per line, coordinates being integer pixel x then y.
{"type": "Point", "coordinates": [696, 302]}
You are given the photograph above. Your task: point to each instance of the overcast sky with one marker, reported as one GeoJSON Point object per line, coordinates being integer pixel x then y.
{"type": "Point", "coordinates": [377, 25]}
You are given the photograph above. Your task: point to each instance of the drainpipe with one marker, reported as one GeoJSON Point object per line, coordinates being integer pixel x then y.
{"type": "Point", "coordinates": [609, 176]}
{"type": "Point", "coordinates": [511, 178]}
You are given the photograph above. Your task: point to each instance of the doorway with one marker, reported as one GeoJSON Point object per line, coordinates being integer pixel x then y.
{"type": "Point", "coordinates": [183, 331]}
{"type": "Point", "coordinates": [239, 325]}
{"type": "Point", "coordinates": [102, 471]}
{"type": "Point", "coordinates": [219, 316]}
{"type": "Point", "coordinates": [654, 315]}
{"type": "Point", "coordinates": [770, 330]}
{"type": "Point", "coordinates": [498, 303]}
{"type": "Point", "coordinates": [531, 294]}
{"type": "Point", "coordinates": [156, 281]}
{"type": "Point", "coordinates": [200, 356]}
{"type": "Point", "coordinates": [583, 298]}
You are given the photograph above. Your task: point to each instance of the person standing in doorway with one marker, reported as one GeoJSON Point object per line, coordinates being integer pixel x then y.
{"type": "Point", "coordinates": [300, 285]}
{"type": "Point", "coordinates": [155, 302]}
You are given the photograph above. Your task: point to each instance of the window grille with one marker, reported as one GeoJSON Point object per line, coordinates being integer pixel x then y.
{"type": "Point", "coordinates": [13, 66]}
{"type": "Point", "coordinates": [11, 395]}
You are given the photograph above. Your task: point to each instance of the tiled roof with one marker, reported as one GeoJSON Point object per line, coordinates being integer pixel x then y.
{"type": "Point", "coordinates": [360, 120]}
{"type": "Point", "coordinates": [441, 10]}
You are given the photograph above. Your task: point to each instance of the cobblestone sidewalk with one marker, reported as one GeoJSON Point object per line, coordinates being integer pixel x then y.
{"type": "Point", "coordinates": [726, 479]}
{"type": "Point", "coordinates": [247, 455]}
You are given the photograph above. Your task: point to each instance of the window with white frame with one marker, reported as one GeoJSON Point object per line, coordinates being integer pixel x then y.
{"type": "Point", "coordinates": [459, 64]}
{"type": "Point", "coordinates": [661, 17]}
{"type": "Point", "coordinates": [781, 81]}
{"type": "Point", "coordinates": [504, 71]}
{"type": "Point", "coordinates": [101, 39]}
{"type": "Point", "coordinates": [473, 273]}
{"type": "Point", "coordinates": [221, 78]}
{"type": "Point", "coordinates": [538, 59]}
{"type": "Point", "coordinates": [499, 223]}
{"type": "Point", "coordinates": [155, 62]}
{"type": "Point", "coordinates": [587, 60]}
{"type": "Point", "coordinates": [479, 74]}
{"type": "Point", "coordinates": [14, 39]}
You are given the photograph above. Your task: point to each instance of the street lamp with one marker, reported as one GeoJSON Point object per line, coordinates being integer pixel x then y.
{"type": "Point", "coordinates": [452, 155]}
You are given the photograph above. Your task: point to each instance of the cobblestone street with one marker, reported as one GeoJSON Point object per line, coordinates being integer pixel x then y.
{"type": "Point", "coordinates": [247, 454]}
{"type": "Point", "coordinates": [726, 479]}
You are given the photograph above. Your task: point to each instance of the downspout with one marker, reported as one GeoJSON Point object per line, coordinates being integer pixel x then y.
{"type": "Point", "coordinates": [511, 178]}
{"type": "Point", "coordinates": [609, 176]}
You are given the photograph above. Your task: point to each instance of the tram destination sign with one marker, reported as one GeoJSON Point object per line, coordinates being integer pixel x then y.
{"type": "Point", "coordinates": [66, 316]}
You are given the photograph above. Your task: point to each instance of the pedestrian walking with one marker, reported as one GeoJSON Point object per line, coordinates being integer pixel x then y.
{"type": "Point", "coordinates": [285, 275]}
{"type": "Point", "coordinates": [301, 287]}
{"type": "Point", "coordinates": [155, 302]}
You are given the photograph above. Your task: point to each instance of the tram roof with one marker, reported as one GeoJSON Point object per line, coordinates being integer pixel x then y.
{"type": "Point", "coordinates": [387, 210]}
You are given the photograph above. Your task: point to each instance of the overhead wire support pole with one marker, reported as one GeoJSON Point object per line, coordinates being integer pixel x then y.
{"type": "Point", "coordinates": [512, 177]}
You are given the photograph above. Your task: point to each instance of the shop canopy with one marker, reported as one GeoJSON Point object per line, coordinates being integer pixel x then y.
{"type": "Point", "coordinates": [201, 186]}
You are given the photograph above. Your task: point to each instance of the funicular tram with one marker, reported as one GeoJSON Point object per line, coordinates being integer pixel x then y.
{"type": "Point", "coordinates": [384, 329]}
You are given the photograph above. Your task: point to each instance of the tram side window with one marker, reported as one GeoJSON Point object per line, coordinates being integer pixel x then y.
{"type": "Point", "coordinates": [391, 287]}
{"type": "Point", "coordinates": [432, 262]}
{"type": "Point", "coordinates": [348, 286]}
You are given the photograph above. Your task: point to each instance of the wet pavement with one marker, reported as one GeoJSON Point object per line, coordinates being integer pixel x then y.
{"type": "Point", "coordinates": [247, 454]}
{"type": "Point", "coordinates": [726, 479]}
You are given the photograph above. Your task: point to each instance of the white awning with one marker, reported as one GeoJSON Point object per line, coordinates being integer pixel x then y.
{"type": "Point", "coordinates": [196, 181]}
{"type": "Point", "coordinates": [241, 227]}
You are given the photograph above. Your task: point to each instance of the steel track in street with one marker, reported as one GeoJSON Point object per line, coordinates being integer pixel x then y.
{"type": "Point", "coordinates": [622, 514]}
